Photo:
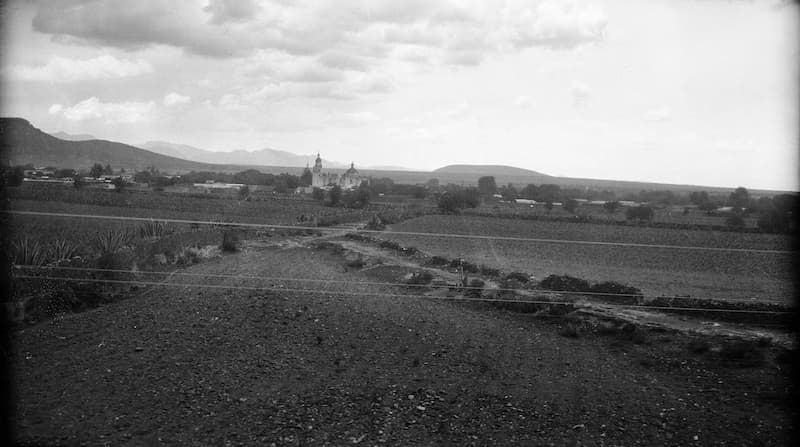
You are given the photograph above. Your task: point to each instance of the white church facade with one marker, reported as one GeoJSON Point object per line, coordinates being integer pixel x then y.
{"type": "Point", "coordinates": [350, 179]}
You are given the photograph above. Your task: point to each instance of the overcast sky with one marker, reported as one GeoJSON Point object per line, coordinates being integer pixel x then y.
{"type": "Point", "coordinates": [678, 91]}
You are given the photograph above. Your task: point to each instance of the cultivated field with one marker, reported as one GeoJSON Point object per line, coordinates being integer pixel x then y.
{"type": "Point", "coordinates": [657, 271]}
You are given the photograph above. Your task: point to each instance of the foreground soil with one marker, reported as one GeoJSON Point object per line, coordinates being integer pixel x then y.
{"type": "Point", "coordinates": [184, 365]}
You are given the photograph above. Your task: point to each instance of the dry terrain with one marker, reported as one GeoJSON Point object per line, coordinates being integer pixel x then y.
{"type": "Point", "coordinates": [185, 365]}
{"type": "Point", "coordinates": [656, 271]}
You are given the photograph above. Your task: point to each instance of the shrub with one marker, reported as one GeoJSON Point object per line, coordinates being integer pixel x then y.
{"type": "Point", "coordinates": [489, 271]}
{"type": "Point", "coordinates": [357, 262]}
{"type": "Point", "coordinates": [623, 293]}
{"type": "Point", "coordinates": [438, 260]}
{"type": "Point", "coordinates": [641, 214]}
{"type": "Point", "coordinates": [421, 277]}
{"type": "Point", "coordinates": [743, 353]}
{"type": "Point", "coordinates": [570, 330]}
{"type": "Point", "coordinates": [698, 346]}
{"type": "Point", "coordinates": [230, 240]}
{"type": "Point", "coordinates": [389, 244]}
{"type": "Point", "coordinates": [375, 223]}
{"type": "Point", "coordinates": [518, 276]}
{"type": "Point", "coordinates": [565, 283]}
{"type": "Point", "coordinates": [735, 221]}
{"type": "Point", "coordinates": [475, 288]}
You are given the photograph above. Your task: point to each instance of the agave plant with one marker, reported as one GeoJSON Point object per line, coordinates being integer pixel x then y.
{"type": "Point", "coordinates": [113, 241]}
{"type": "Point", "coordinates": [154, 229]}
{"type": "Point", "coordinates": [28, 252]}
{"type": "Point", "coordinates": [62, 249]}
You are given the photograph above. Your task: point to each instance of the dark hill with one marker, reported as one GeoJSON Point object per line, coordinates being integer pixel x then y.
{"type": "Point", "coordinates": [496, 170]}
{"type": "Point", "coordinates": [23, 143]}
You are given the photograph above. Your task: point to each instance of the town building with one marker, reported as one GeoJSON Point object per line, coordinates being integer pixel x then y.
{"type": "Point", "coordinates": [350, 179]}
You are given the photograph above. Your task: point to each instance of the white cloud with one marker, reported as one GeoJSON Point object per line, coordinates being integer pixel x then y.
{"type": "Point", "coordinates": [659, 114]}
{"type": "Point", "coordinates": [93, 108]}
{"type": "Point", "coordinates": [523, 101]}
{"type": "Point", "coordinates": [61, 69]}
{"type": "Point", "coordinates": [580, 92]}
{"type": "Point", "coordinates": [173, 99]}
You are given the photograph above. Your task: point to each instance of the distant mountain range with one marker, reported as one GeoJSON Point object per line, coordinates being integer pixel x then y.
{"type": "Point", "coordinates": [264, 157]}
{"type": "Point", "coordinates": [22, 143]}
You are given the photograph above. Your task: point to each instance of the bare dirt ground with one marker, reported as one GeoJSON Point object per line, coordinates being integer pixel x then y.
{"type": "Point", "coordinates": [182, 365]}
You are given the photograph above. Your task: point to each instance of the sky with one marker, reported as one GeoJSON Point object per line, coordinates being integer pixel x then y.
{"type": "Point", "coordinates": [699, 92]}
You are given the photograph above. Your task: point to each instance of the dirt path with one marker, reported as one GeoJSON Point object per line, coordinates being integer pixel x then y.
{"type": "Point", "coordinates": [183, 365]}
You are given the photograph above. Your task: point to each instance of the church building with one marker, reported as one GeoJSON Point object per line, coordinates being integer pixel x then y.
{"type": "Point", "coordinates": [351, 179]}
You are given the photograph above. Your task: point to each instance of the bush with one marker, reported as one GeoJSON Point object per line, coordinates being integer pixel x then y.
{"type": "Point", "coordinates": [390, 245]}
{"type": "Point", "coordinates": [230, 240]}
{"type": "Point", "coordinates": [421, 277]}
{"type": "Point", "coordinates": [622, 293]}
{"type": "Point", "coordinates": [438, 260]}
{"type": "Point", "coordinates": [698, 346]}
{"type": "Point", "coordinates": [565, 283]}
{"type": "Point", "coordinates": [356, 263]}
{"type": "Point", "coordinates": [518, 276]}
{"type": "Point", "coordinates": [475, 287]}
{"type": "Point", "coordinates": [743, 353]}
{"type": "Point", "coordinates": [489, 271]}
{"type": "Point", "coordinates": [570, 330]}
{"type": "Point", "coordinates": [641, 214]}
{"type": "Point", "coordinates": [735, 221]}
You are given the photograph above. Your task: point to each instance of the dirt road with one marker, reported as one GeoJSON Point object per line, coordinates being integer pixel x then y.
{"type": "Point", "coordinates": [191, 366]}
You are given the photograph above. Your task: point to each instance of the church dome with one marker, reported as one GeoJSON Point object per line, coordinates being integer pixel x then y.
{"type": "Point", "coordinates": [352, 170]}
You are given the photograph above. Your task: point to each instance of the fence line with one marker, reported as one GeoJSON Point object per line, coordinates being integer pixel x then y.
{"type": "Point", "coordinates": [337, 292]}
{"type": "Point", "coordinates": [402, 233]}
{"type": "Point", "coordinates": [371, 283]}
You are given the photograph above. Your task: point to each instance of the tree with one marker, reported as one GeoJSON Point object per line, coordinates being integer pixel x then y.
{"type": "Point", "coordinates": [77, 181]}
{"type": "Point", "coordinates": [548, 206]}
{"type": "Point", "coordinates": [96, 170]}
{"type": "Point", "coordinates": [641, 214]}
{"type": "Point", "coordinates": [14, 176]}
{"type": "Point", "coordinates": [306, 178]}
{"type": "Point", "coordinates": [735, 221]}
{"type": "Point", "coordinates": [611, 206]}
{"type": "Point", "coordinates": [419, 192]}
{"type": "Point", "coordinates": [472, 197]}
{"type": "Point", "coordinates": [508, 192]}
{"type": "Point", "coordinates": [119, 184]}
{"type": "Point", "coordinates": [107, 169]}
{"type": "Point", "coordinates": [143, 177]}
{"type": "Point", "coordinates": [358, 198]}
{"type": "Point", "coordinates": [318, 194]}
{"type": "Point", "coordinates": [450, 202]}
{"type": "Point", "coordinates": [571, 205]}
{"type": "Point", "coordinates": [487, 185]}
{"type": "Point", "coordinates": [64, 173]}
{"type": "Point", "coordinates": [244, 192]}
{"type": "Point", "coordinates": [739, 198]}
{"type": "Point", "coordinates": [698, 197]}
{"type": "Point", "coordinates": [334, 195]}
